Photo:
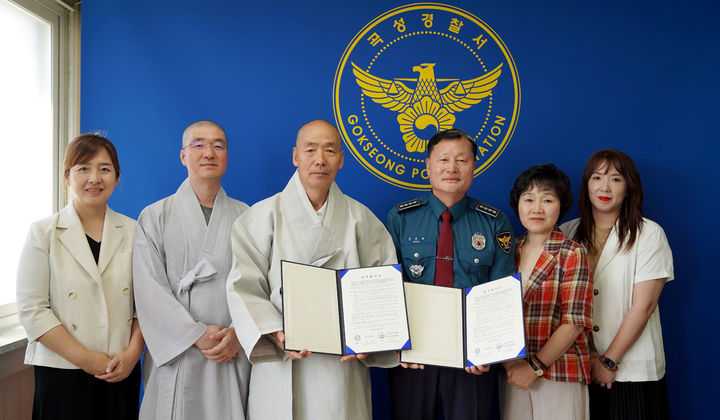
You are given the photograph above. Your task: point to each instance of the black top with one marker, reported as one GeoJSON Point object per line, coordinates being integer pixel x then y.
{"type": "Point", "coordinates": [94, 247]}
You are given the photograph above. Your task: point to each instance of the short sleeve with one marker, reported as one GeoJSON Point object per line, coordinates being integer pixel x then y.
{"type": "Point", "coordinates": [654, 257]}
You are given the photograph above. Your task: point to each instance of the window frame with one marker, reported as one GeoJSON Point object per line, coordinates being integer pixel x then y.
{"type": "Point", "coordinates": [65, 58]}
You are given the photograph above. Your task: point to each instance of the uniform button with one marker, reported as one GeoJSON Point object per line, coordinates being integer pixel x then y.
{"type": "Point", "coordinates": [596, 328]}
{"type": "Point", "coordinates": [595, 292]}
{"type": "Point", "coordinates": [476, 260]}
{"type": "Point", "coordinates": [129, 322]}
{"type": "Point", "coordinates": [125, 291]}
{"type": "Point", "coordinates": [416, 255]}
{"type": "Point", "coordinates": [72, 295]}
{"type": "Point", "coordinates": [73, 326]}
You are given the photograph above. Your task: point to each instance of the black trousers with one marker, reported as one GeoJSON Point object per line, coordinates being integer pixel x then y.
{"type": "Point", "coordinates": [423, 394]}
{"type": "Point", "coordinates": [76, 395]}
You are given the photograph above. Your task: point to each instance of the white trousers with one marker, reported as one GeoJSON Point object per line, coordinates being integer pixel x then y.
{"type": "Point", "coordinates": [545, 400]}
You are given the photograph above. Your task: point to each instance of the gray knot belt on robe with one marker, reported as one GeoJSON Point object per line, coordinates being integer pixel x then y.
{"type": "Point", "coordinates": [202, 272]}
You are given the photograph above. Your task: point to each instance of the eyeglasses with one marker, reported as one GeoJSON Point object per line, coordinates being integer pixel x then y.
{"type": "Point", "coordinates": [218, 146]}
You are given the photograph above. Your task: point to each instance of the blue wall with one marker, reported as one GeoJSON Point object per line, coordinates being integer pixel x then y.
{"type": "Point", "coordinates": [638, 76]}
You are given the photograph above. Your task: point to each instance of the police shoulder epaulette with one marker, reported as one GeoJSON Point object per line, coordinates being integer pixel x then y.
{"type": "Point", "coordinates": [485, 209]}
{"type": "Point", "coordinates": [408, 205]}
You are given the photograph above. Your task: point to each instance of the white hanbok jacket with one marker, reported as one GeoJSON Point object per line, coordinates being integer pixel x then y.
{"type": "Point", "coordinates": [286, 227]}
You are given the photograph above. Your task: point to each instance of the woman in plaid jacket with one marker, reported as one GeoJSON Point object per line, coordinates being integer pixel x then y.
{"type": "Point", "coordinates": [557, 295]}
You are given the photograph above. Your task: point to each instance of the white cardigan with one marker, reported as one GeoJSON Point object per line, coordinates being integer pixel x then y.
{"type": "Point", "coordinates": [59, 283]}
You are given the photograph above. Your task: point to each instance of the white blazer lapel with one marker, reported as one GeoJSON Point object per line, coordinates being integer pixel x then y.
{"type": "Point", "coordinates": [113, 235]}
{"type": "Point", "coordinates": [72, 236]}
{"type": "Point", "coordinates": [610, 250]}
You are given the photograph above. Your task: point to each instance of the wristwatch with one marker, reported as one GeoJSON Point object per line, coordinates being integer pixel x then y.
{"type": "Point", "coordinates": [609, 363]}
{"type": "Point", "coordinates": [538, 371]}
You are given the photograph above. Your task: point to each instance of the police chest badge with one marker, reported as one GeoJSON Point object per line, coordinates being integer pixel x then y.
{"type": "Point", "coordinates": [416, 270]}
{"type": "Point", "coordinates": [418, 69]}
{"type": "Point", "coordinates": [478, 241]}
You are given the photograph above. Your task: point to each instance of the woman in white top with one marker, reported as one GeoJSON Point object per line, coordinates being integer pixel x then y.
{"type": "Point", "coordinates": [75, 298]}
{"type": "Point", "coordinates": [631, 261]}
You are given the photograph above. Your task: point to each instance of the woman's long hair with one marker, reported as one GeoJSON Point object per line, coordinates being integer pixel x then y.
{"type": "Point", "coordinates": [630, 220]}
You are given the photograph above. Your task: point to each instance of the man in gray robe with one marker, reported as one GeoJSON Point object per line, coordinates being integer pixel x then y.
{"type": "Point", "coordinates": [193, 368]}
{"type": "Point", "coordinates": [309, 222]}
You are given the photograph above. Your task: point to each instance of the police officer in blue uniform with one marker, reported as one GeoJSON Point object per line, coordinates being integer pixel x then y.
{"type": "Point", "coordinates": [482, 250]}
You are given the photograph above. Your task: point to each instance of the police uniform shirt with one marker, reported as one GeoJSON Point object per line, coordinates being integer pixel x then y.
{"type": "Point", "coordinates": [483, 243]}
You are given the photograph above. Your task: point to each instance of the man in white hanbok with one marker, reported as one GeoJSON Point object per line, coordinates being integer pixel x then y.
{"type": "Point", "coordinates": [310, 222]}
{"type": "Point", "coordinates": [193, 368]}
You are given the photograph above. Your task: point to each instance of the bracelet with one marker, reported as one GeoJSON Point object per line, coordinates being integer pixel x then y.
{"type": "Point", "coordinates": [543, 365]}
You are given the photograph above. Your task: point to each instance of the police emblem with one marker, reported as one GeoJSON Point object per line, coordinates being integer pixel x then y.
{"type": "Point", "coordinates": [503, 240]}
{"type": "Point", "coordinates": [416, 270]}
{"type": "Point", "coordinates": [416, 70]}
{"type": "Point", "coordinates": [478, 241]}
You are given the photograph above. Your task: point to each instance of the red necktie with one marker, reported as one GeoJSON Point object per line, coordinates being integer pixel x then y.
{"type": "Point", "coordinates": [444, 259]}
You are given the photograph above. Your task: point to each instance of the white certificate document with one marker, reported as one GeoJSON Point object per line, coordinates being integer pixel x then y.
{"type": "Point", "coordinates": [358, 310]}
{"type": "Point", "coordinates": [436, 325]}
{"type": "Point", "coordinates": [311, 315]}
{"type": "Point", "coordinates": [481, 325]}
{"type": "Point", "coordinates": [494, 321]}
{"type": "Point", "coordinates": [373, 309]}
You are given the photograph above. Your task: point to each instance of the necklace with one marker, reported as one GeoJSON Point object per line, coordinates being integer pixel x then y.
{"type": "Point", "coordinates": [601, 236]}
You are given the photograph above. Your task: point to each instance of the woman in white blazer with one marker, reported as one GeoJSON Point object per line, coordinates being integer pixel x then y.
{"type": "Point", "coordinates": [75, 297]}
{"type": "Point", "coordinates": [631, 261]}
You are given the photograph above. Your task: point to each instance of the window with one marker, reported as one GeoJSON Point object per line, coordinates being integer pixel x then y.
{"type": "Point", "coordinates": [36, 38]}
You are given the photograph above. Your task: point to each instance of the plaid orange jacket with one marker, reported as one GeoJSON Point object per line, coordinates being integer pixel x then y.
{"type": "Point", "coordinates": [559, 291]}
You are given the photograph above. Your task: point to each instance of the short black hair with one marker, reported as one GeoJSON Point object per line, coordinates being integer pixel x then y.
{"type": "Point", "coordinates": [545, 177]}
{"type": "Point", "coordinates": [453, 133]}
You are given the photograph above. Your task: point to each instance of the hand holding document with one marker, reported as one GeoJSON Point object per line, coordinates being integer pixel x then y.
{"type": "Point", "coordinates": [344, 312]}
{"type": "Point", "coordinates": [461, 328]}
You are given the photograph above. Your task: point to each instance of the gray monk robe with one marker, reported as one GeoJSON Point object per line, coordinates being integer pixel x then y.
{"type": "Point", "coordinates": [180, 268]}
{"type": "Point", "coordinates": [286, 227]}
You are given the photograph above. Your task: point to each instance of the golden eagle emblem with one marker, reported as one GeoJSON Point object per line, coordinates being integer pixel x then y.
{"type": "Point", "coordinates": [503, 239]}
{"type": "Point", "coordinates": [426, 104]}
